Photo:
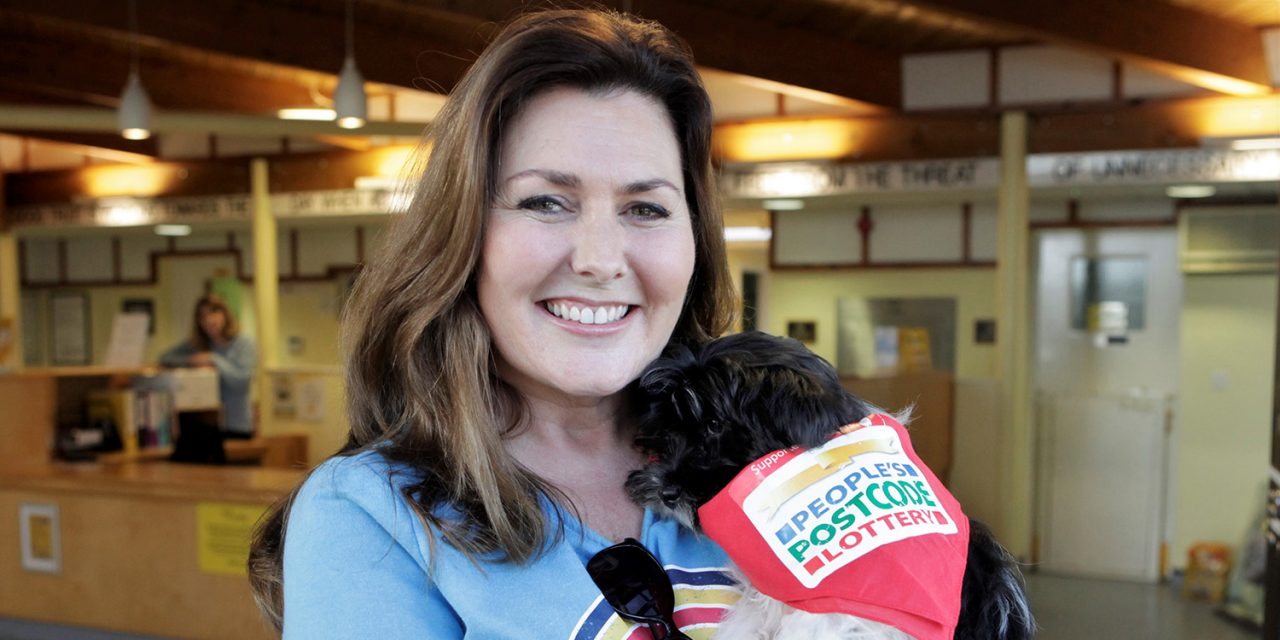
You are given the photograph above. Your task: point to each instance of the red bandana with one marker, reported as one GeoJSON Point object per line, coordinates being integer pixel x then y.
{"type": "Point", "coordinates": [795, 521]}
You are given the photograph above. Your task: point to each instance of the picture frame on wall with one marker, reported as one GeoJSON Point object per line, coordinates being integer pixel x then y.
{"type": "Point", "coordinates": [805, 331]}
{"type": "Point", "coordinates": [69, 340]}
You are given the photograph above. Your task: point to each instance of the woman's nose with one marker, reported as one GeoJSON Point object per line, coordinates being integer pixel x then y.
{"type": "Point", "coordinates": [599, 250]}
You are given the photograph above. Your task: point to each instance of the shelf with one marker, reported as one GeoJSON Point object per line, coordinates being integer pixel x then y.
{"type": "Point", "coordinates": [85, 371]}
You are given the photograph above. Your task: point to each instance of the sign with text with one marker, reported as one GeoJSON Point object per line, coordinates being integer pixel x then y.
{"type": "Point", "coordinates": [803, 179]}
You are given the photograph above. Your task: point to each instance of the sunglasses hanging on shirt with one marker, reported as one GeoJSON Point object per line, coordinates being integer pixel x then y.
{"type": "Point", "coordinates": [636, 586]}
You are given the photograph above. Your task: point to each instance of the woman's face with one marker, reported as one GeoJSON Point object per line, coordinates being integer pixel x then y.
{"type": "Point", "coordinates": [213, 322]}
{"type": "Point", "coordinates": [588, 248]}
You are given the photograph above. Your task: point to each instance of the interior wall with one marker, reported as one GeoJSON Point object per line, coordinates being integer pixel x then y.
{"type": "Point", "coordinates": [1223, 444]}
{"type": "Point", "coordinates": [812, 295]}
{"type": "Point", "coordinates": [754, 259]}
{"type": "Point", "coordinates": [309, 323]}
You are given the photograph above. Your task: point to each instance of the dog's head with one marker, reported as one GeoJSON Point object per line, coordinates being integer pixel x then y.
{"type": "Point", "coordinates": [707, 412]}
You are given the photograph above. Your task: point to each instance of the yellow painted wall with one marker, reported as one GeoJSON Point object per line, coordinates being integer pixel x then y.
{"type": "Point", "coordinates": [309, 311]}
{"type": "Point", "coordinates": [104, 304]}
{"type": "Point", "coordinates": [1223, 441]}
{"type": "Point", "coordinates": [811, 295]}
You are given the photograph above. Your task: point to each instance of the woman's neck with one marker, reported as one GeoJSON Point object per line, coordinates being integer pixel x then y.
{"type": "Point", "coordinates": [577, 424]}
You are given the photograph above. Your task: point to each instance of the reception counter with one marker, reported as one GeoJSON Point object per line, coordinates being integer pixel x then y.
{"type": "Point", "coordinates": [153, 548]}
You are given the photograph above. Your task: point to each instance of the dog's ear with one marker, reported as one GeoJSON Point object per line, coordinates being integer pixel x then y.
{"type": "Point", "coordinates": [668, 372]}
{"type": "Point", "coordinates": [993, 599]}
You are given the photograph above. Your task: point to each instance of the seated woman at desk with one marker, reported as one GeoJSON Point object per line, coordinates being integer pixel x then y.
{"type": "Point", "coordinates": [216, 342]}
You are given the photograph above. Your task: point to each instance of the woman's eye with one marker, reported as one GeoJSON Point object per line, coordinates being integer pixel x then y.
{"type": "Point", "coordinates": [544, 204]}
{"type": "Point", "coordinates": [648, 211]}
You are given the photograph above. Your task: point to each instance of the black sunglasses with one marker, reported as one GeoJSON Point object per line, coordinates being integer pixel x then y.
{"type": "Point", "coordinates": [637, 587]}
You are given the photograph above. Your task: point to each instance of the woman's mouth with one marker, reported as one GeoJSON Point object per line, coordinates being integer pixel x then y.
{"type": "Point", "coordinates": [587, 314]}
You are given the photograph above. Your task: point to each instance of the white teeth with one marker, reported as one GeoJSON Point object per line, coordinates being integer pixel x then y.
{"type": "Point", "coordinates": [598, 315]}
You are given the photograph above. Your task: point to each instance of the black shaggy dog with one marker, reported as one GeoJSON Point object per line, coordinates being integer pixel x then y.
{"type": "Point", "coordinates": [710, 412]}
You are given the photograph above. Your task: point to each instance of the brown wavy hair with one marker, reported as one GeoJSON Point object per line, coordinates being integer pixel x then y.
{"type": "Point", "coordinates": [230, 329]}
{"type": "Point", "coordinates": [421, 381]}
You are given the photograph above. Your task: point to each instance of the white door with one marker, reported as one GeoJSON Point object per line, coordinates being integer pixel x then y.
{"type": "Point", "coordinates": [1102, 404]}
{"type": "Point", "coordinates": [1104, 483]}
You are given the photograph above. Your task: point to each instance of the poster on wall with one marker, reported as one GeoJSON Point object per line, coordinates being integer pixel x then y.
{"type": "Point", "coordinates": [69, 314]}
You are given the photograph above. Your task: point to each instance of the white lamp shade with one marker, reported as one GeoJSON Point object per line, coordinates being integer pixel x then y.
{"type": "Point", "coordinates": [349, 101]}
{"type": "Point", "coordinates": [134, 116]}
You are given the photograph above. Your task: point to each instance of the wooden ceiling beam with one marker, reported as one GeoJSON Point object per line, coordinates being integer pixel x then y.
{"type": "Point", "coordinates": [789, 55]}
{"type": "Point", "coordinates": [390, 47]}
{"type": "Point", "coordinates": [1162, 124]}
{"type": "Point", "coordinates": [735, 43]}
{"type": "Point", "coordinates": [108, 141]}
{"type": "Point", "coordinates": [1195, 47]}
{"type": "Point", "coordinates": [431, 43]}
{"type": "Point", "coordinates": [96, 72]}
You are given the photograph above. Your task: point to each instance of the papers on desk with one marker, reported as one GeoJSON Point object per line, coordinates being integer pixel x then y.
{"type": "Point", "coordinates": [128, 340]}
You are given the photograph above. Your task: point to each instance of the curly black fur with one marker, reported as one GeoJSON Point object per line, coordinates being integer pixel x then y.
{"type": "Point", "coordinates": [710, 411]}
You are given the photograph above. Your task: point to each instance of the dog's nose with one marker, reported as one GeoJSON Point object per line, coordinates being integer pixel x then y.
{"type": "Point", "coordinates": [670, 494]}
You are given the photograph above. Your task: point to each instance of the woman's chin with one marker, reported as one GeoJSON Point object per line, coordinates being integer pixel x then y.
{"type": "Point", "coordinates": [592, 388]}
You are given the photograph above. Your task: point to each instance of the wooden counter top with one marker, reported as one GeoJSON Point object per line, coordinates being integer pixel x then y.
{"type": "Point", "coordinates": [166, 480]}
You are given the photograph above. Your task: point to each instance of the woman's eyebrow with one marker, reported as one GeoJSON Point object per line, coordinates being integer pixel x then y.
{"type": "Point", "coordinates": [572, 181]}
{"type": "Point", "coordinates": [558, 178]}
{"type": "Point", "coordinates": [649, 185]}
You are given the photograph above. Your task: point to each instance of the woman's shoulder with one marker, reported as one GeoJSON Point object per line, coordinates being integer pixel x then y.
{"type": "Point", "coordinates": [366, 478]}
{"type": "Point", "coordinates": [353, 498]}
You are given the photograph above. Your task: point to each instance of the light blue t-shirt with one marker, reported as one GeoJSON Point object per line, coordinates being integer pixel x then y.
{"type": "Point", "coordinates": [356, 566]}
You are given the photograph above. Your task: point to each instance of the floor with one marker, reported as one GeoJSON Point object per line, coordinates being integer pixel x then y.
{"type": "Point", "coordinates": [1065, 608]}
{"type": "Point", "coordinates": [1086, 609]}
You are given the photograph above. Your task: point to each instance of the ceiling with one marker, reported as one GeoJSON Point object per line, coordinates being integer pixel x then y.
{"type": "Point", "coordinates": [762, 57]}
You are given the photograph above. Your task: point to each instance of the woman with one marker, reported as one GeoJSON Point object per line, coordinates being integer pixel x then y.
{"type": "Point", "coordinates": [216, 342]}
{"type": "Point", "coordinates": [564, 230]}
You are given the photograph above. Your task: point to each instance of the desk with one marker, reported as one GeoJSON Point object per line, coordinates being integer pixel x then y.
{"type": "Point", "coordinates": [129, 547]}
{"type": "Point", "coordinates": [284, 452]}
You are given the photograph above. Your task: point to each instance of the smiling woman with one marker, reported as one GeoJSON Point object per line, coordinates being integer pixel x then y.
{"type": "Point", "coordinates": [590, 221]}
{"type": "Point", "coordinates": [565, 230]}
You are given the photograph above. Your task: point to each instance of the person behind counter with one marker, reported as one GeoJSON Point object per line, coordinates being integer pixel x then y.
{"type": "Point", "coordinates": [565, 229]}
{"type": "Point", "coordinates": [216, 342]}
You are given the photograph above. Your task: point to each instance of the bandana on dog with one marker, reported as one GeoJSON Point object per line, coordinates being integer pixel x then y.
{"type": "Point", "coordinates": [858, 526]}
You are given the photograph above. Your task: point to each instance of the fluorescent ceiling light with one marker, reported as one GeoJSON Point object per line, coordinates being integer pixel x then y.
{"type": "Point", "coordinates": [317, 114]}
{"type": "Point", "coordinates": [786, 204]}
{"type": "Point", "coordinates": [173, 230]}
{"type": "Point", "coordinates": [747, 234]}
{"type": "Point", "coordinates": [1190, 191]}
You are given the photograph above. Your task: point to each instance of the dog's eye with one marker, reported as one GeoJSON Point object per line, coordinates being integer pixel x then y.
{"type": "Point", "coordinates": [715, 426]}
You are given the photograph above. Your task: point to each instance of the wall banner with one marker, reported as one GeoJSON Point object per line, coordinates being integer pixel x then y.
{"type": "Point", "coordinates": [133, 212]}
{"type": "Point", "coordinates": [809, 179]}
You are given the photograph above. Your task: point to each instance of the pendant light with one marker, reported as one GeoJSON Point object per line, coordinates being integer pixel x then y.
{"type": "Point", "coordinates": [349, 101]}
{"type": "Point", "coordinates": [134, 116]}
